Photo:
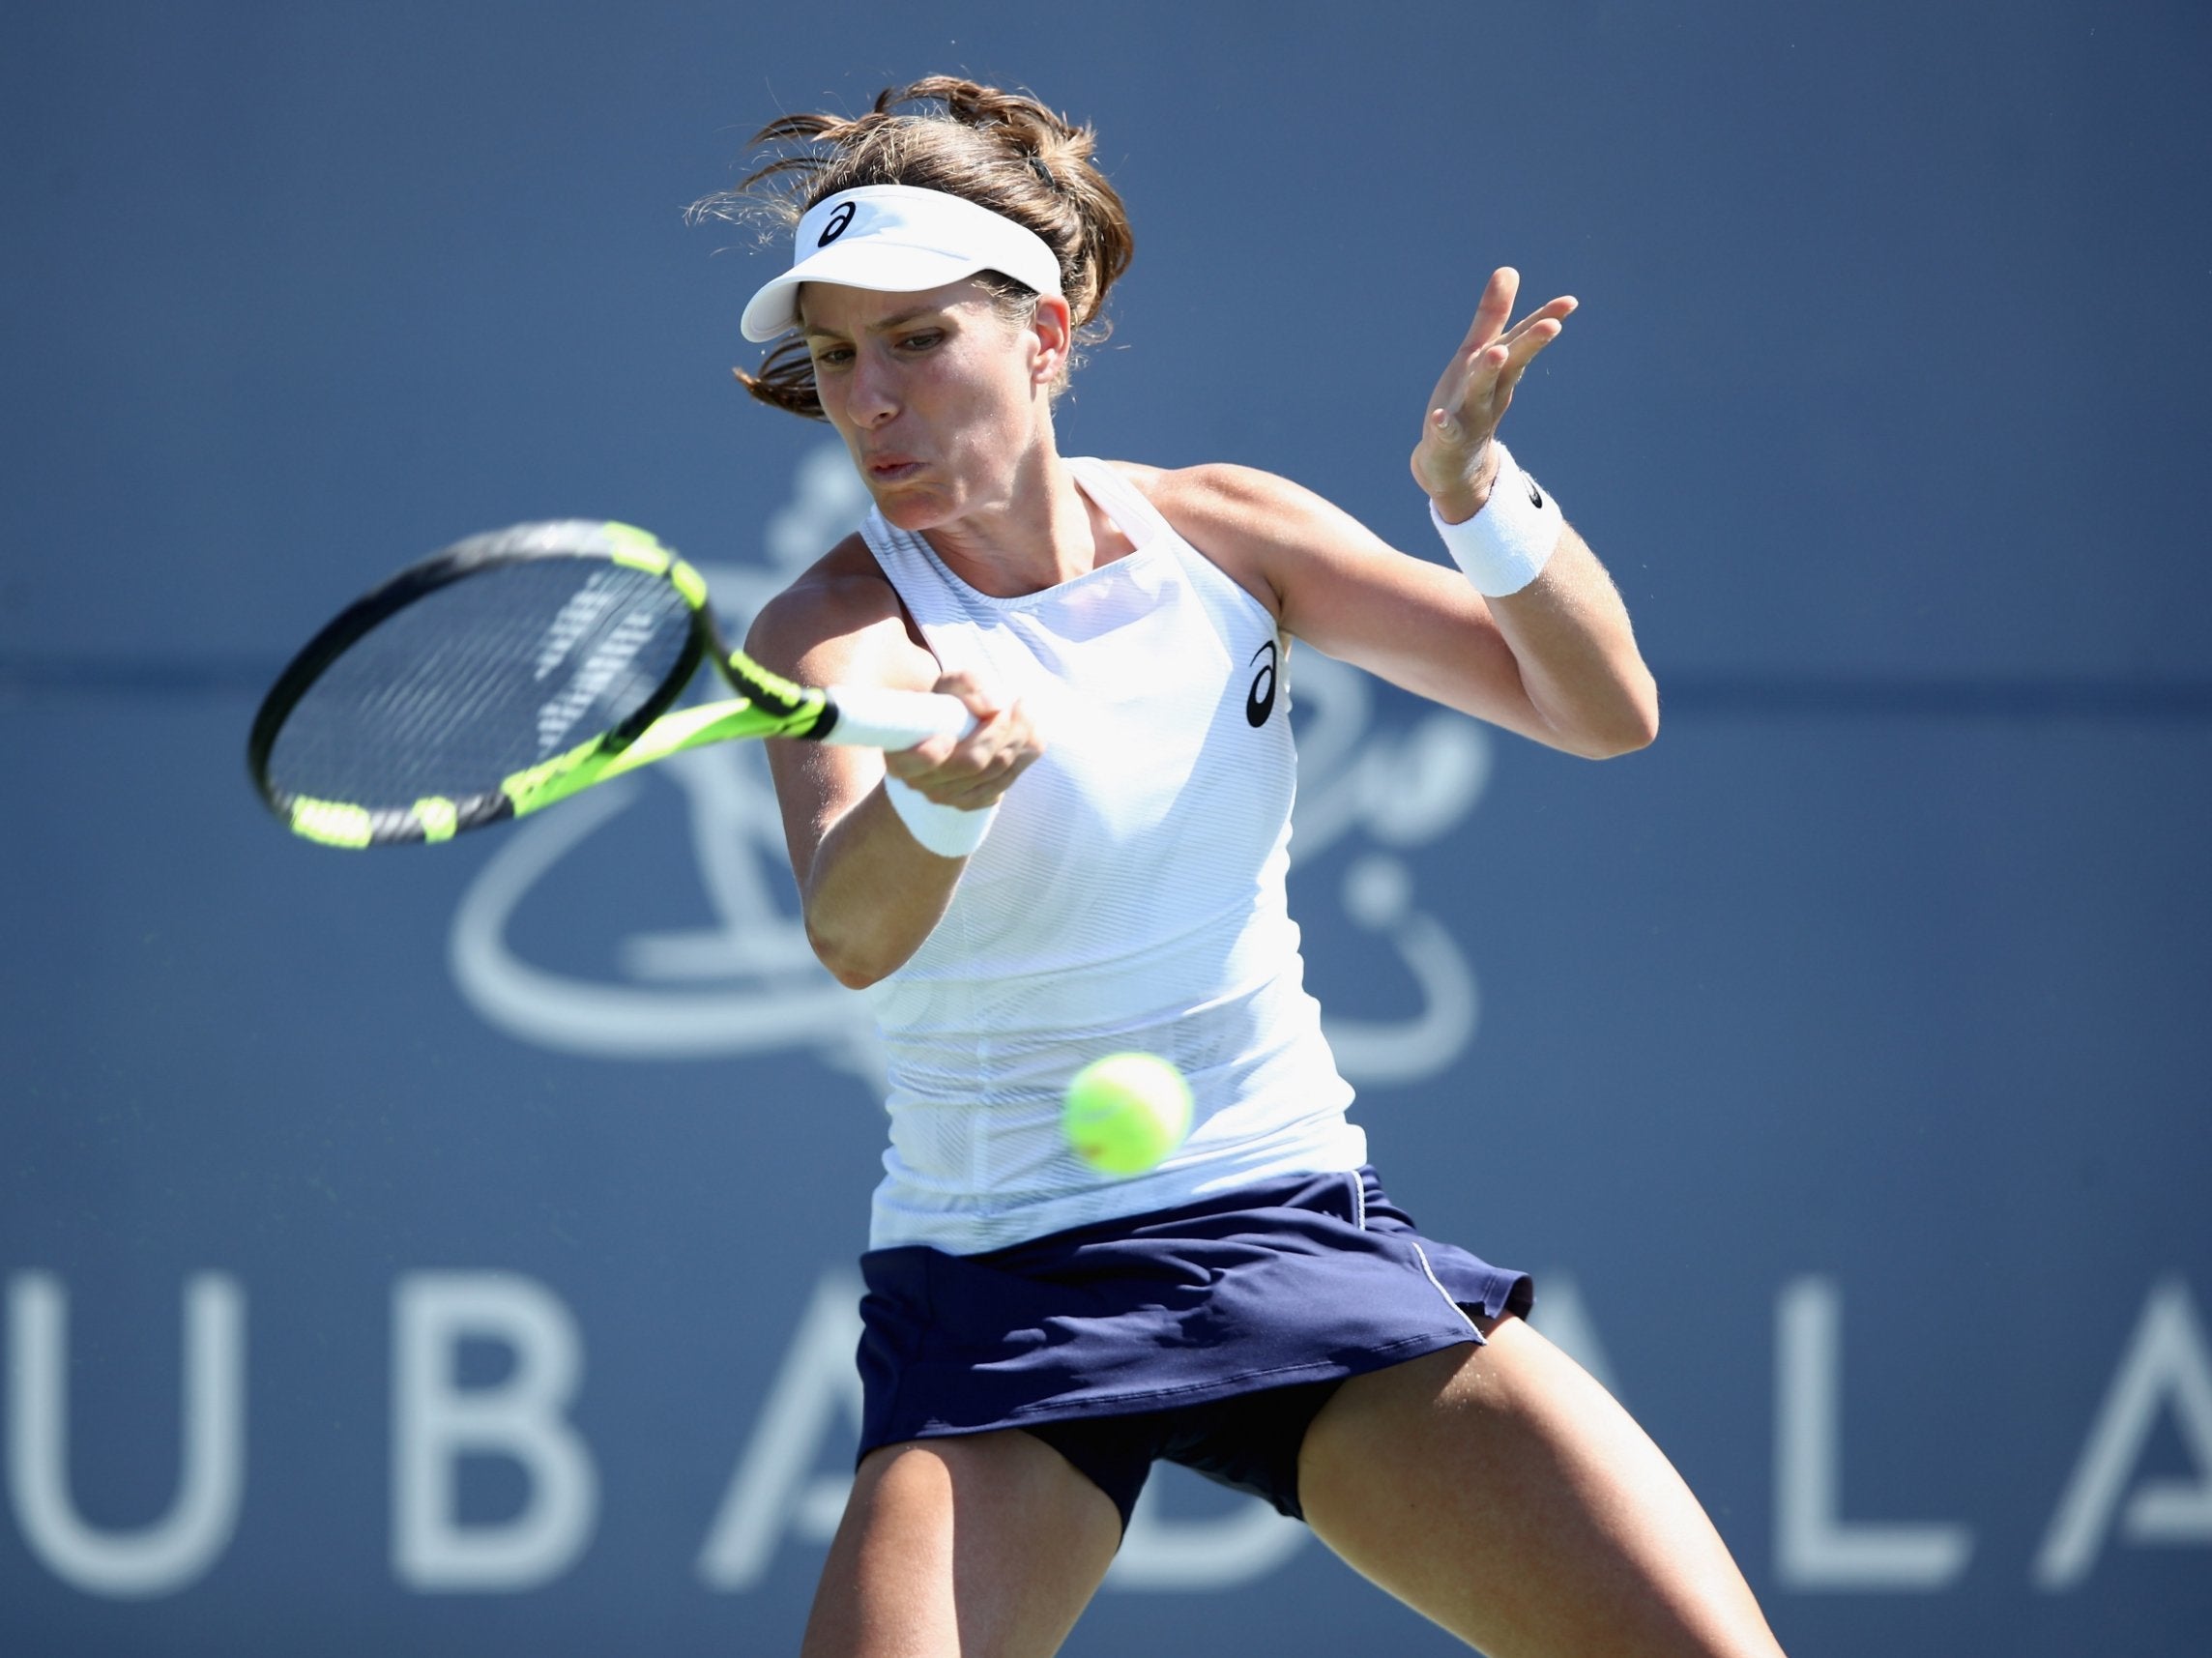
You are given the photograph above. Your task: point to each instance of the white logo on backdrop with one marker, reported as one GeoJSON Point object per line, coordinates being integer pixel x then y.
{"type": "Point", "coordinates": [743, 979]}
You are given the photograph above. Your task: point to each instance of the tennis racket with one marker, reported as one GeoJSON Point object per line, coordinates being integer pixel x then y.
{"type": "Point", "coordinates": [513, 670]}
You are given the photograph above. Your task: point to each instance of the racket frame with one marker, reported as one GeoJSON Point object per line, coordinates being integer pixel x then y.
{"type": "Point", "coordinates": [768, 704]}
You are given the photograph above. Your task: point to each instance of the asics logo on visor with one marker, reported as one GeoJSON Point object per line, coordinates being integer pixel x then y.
{"type": "Point", "coordinates": [839, 221]}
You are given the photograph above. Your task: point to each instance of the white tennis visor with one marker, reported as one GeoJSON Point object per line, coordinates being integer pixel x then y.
{"type": "Point", "coordinates": [899, 240]}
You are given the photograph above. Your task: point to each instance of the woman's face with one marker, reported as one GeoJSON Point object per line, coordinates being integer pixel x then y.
{"type": "Point", "coordinates": [939, 395]}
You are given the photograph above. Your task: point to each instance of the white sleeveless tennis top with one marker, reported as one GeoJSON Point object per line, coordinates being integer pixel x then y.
{"type": "Point", "coordinates": [1130, 895]}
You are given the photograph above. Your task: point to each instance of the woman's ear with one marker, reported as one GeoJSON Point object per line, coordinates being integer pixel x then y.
{"type": "Point", "coordinates": [1054, 326]}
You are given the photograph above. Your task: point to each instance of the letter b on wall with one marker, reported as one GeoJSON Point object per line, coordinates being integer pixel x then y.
{"type": "Point", "coordinates": [436, 1422]}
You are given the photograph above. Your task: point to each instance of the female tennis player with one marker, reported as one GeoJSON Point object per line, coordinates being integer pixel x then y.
{"type": "Point", "coordinates": [1098, 865]}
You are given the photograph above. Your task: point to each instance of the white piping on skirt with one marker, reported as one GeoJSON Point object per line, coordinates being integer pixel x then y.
{"type": "Point", "coordinates": [1358, 1200]}
{"type": "Point", "coordinates": [1445, 1293]}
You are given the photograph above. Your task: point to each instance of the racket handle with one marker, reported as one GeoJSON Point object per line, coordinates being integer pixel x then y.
{"type": "Point", "coordinates": [873, 717]}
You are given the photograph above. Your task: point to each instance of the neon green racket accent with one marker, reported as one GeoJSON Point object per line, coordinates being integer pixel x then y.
{"type": "Point", "coordinates": [329, 822]}
{"type": "Point", "coordinates": [689, 583]}
{"type": "Point", "coordinates": [750, 675]}
{"type": "Point", "coordinates": [563, 775]}
{"type": "Point", "coordinates": [438, 816]}
{"type": "Point", "coordinates": [640, 549]}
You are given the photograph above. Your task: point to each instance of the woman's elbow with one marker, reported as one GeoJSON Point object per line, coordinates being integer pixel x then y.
{"type": "Point", "coordinates": [1631, 725]}
{"type": "Point", "coordinates": [850, 968]}
{"type": "Point", "coordinates": [853, 962]}
{"type": "Point", "coordinates": [1642, 730]}
{"type": "Point", "coordinates": [854, 978]}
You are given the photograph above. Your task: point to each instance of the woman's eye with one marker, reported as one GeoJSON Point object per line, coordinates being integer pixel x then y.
{"type": "Point", "coordinates": [833, 355]}
{"type": "Point", "coordinates": [922, 342]}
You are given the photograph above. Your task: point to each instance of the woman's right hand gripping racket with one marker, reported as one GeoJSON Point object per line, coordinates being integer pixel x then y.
{"type": "Point", "coordinates": [515, 668]}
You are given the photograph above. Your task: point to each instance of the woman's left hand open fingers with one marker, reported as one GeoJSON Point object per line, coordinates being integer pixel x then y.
{"type": "Point", "coordinates": [1477, 388]}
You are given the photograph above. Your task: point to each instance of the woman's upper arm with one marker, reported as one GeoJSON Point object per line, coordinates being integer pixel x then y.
{"type": "Point", "coordinates": [1335, 584]}
{"type": "Point", "coordinates": [839, 624]}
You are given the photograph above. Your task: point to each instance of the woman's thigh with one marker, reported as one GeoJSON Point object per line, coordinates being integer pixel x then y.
{"type": "Point", "coordinates": [989, 1545]}
{"type": "Point", "coordinates": [1501, 1492]}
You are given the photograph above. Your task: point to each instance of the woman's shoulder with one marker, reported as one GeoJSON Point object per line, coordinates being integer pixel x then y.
{"type": "Point", "coordinates": [1212, 486]}
{"type": "Point", "coordinates": [841, 596]}
{"type": "Point", "coordinates": [1223, 502]}
{"type": "Point", "coordinates": [1244, 519]}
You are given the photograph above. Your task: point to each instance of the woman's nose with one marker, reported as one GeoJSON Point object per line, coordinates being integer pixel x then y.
{"type": "Point", "coordinates": [875, 391]}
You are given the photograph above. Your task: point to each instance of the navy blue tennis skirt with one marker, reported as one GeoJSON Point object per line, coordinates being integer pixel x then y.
{"type": "Point", "coordinates": [1309, 1279]}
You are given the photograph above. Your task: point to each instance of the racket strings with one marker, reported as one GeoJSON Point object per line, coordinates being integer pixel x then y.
{"type": "Point", "coordinates": [482, 678]}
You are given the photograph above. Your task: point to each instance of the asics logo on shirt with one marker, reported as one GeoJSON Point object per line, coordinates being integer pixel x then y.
{"type": "Point", "coordinates": [1259, 700]}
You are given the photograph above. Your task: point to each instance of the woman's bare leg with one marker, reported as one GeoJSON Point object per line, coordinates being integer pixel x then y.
{"type": "Point", "coordinates": [1499, 1491]}
{"type": "Point", "coordinates": [987, 1546]}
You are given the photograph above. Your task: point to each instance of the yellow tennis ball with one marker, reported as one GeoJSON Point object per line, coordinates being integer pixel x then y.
{"type": "Point", "coordinates": [1127, 1112]}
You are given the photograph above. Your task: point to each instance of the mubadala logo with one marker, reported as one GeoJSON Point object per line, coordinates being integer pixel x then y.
{"type": "Point", "coordinates": [787, 1485]}
{"type": "Point", "coordinates": [741, 978]}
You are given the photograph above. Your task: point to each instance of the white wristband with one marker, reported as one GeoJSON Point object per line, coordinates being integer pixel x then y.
{"type": "Point", "coordinates": [950, 831]}
{"type": "Point", "coordinates": [1503, 547]}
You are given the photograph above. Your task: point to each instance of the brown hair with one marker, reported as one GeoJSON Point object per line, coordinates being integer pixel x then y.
{"type": "Point", "coordinates": [1000, 149]}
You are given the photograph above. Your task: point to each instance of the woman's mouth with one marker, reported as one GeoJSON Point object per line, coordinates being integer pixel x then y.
{"type": "Point", "coordinates": [891, 469]}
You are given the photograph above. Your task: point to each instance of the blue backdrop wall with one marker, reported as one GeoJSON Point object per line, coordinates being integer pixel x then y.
{"type": "Point", "coordinates": [401, 1251]}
